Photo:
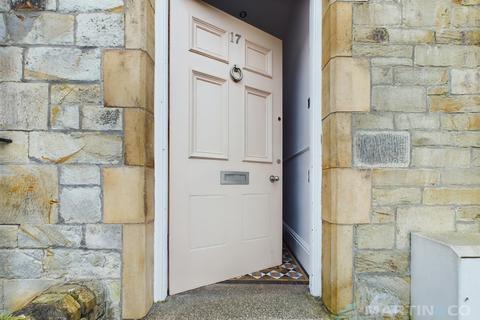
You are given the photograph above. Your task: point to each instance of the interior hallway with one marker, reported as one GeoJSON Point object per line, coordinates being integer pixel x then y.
{"type": "Point", "coordinates": [241, 301]}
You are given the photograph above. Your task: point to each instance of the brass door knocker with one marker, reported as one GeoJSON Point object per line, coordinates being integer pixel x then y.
{"type": "Point", "coordinates": [236, 74]}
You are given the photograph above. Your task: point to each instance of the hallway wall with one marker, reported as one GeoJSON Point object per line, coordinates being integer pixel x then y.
{"type": "Point", "coordinates": [296, 134]}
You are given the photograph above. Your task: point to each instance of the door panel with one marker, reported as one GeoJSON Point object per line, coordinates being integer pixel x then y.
{"type": "Point", "coordinates": [258, 125]}
{"type": "Point", "coordinates": [209, 116]}
{"type": "Point", "coordinates": [218, 231]}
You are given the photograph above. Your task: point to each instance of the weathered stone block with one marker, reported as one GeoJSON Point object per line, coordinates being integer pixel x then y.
{"type": "Point", "coordinates": [337, 269]}
{"type": "Point", "coordinates": [383, 215]}
{"type": "Point", "coordinates": [408, 121]}
{"type": "Point", "coordinates": [100, 29]}
{"type": "Point", "coordinates": [90, 5]}
{"type": "Point", "coordinates": [346, 85]}
{"type": "Point", "coordinates": [137, 290]}
{"type": "Point", "coordinates": [337, 31]}
{"type": "Point", "coordinates": [470, 176]}
{"type": "Point", "coordinates": [466, 17]}
{"type": "Point", "coordinates": [422, 219]}
{"type": "Point", "coordinates": [447, 55]}
{"type": "Point", "coordinates": [3, 28]}
{"type": "Point", "coordinates": [468, 214]}
{"type": "Point", "coordinates": [30, 194]}
{"type": "Point", "coordinates": [465, 81]}
{"type": "Point", "coordinates": [45, 236]}
{"type": "Point", "coordinates": [375, 236]}
{"type": "Point", "coordinates": [41, 28]}
{"type": "Point", "coordinates": [373, 121]}
{"type": "Point", "coordinates": [395, 98]}
{"type": "Point", "coordinates": [420, 76]}
{"type": "Point", "coordinates": [440, 157]}
{"type": "Point", "coordinates": [21, 263]}
{"type": "Point", "coordinates": [124, 205]}
{"type": "Point", "coordinates": [5, 5]}
{"type": "Point", "coordinates": [455, 103]}
{"type": "Point", "coordinates": [98, 236]}
{"type": "Point", "coordinates": [454, 122]}
{"type": "Point", "coordinates": [140, 26]}
{"type": "Point", "coordinates": [8, 236]}
{"type": "Point", "coordinates": [70, 94]}
{"type": "Point", "coordinates": [382, 14]}
{"type": "Point", "coordinates": [23, 106]}
{"type": "Point", "coordinates": [337, 141]}
{"type": "Point", "coordinates": [381, 149]}
{"type": "Point", "coordinates": [79, 175]}
{"type": "Point", "coordinates": [396, 196]}
{"type": "Point", "coordinates": [389, 62]}
{"type": "Point", "coordinates": [382, 296]}
{"type": "Point", "coordinates": [411, 36]}
{"type": "Point", "coordinates": [81, 264]}
{"type": "Point", "coordinates": [405, 177]}
{"type": "Point", "coordinates": [346, 196]}
{"type": "Point", "coordinates": [17, 151]}
{"type": "Point", "coordinates": [139, 135]}
{"type": "Point", "coordinates": [100, 118]}
{"type": "Point", "coordinates": [45, 63]}
{"type": "Point", "coordinates": [10, 63]}
{"type": "Point", "coordinates": [90, 148]}
{"type": "Point", "coordinates": [113, 296]}
{"type": "Point", "coordinates": [65, 117]}
{"type": "Point", "coordinates": [476, 157]}
{"type": "Point", "coordinates": [449, 196]}
{"type": "Point", "coordinates": [427, 13]}
{"type": "Point", "coordinates": [80, 205]}
{"type": "Point", "coordinates": [453, 138]}
{"type": "Point", "coordinates": [382, 50]}
{"type": "Point", "coordinates": [128, 79]}
{"type": "Point", "coordinates": [382, 76]}
{"type": "Point", "coordinates": [382, 261]}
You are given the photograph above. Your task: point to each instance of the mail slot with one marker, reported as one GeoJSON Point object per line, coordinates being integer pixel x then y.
{"type": "Point", "coordinates": [234, 178]}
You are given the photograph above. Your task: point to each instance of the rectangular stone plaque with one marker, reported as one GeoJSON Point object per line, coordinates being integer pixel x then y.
{"type": "Point", "coordinates": [381, 149]}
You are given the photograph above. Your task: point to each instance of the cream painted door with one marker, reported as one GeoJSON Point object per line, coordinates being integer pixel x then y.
{"type": "Point", "coordinates": [217, 230]}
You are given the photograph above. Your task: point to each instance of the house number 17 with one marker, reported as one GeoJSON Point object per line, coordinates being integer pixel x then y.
{"type": "Point", "coordinates": [235, 37]}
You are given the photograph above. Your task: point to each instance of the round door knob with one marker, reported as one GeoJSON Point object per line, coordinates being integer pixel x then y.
{"type": "Point", "coordinates": [274, 179]}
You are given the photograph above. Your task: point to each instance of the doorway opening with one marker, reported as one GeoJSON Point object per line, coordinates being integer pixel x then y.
{"type": "Point", "coordinates": [298, 25]}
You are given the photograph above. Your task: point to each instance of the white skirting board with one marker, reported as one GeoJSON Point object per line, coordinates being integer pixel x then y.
{"type": "Point", "coordinates": [298, 246]}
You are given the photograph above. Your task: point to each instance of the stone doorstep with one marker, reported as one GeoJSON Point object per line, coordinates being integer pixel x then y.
{"type": "Point", "coordinates": [71, 301]}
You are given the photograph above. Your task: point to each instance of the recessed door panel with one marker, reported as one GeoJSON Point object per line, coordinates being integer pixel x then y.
{"type": "Point", "coordinates": [209, 40]}
{"type": "Point", "coordinates": [258, 59]}
{"type": "Point", "coordinates": [207, 221]}
{"type": "Point", "coordinates": [225, 214]}
{"type": "Point", "coordinates": [256, 218]}
{"type": "Point", "coordinates": [209, 117]}
{"type": "Point", "coordinates": [258, 125]}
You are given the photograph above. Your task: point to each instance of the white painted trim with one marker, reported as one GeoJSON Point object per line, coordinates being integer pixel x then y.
{"type": "Point", "coordinates": [161, 147]}
{"type": "Point", "coordinates": [161, 150]}
{"type": "Point", "coordinates": [316, 15]}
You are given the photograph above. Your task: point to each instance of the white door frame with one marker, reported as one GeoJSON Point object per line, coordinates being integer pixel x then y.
{"type": "Point", "coordinates": [162, 140]}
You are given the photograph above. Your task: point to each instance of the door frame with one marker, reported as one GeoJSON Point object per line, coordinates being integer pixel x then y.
{"type": "Point", "coordinates": [162, 147]}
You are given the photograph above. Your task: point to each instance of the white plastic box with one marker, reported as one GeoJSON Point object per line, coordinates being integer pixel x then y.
{"type": "Point", "coordinates": [445, 270]}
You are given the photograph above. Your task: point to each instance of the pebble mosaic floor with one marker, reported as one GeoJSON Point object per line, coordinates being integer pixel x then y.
{"type": "Point", "coordinates": [290, 272]}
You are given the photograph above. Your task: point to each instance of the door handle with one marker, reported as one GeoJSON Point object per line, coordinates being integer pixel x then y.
{"type": "Point", "coordinates": [274, 179]}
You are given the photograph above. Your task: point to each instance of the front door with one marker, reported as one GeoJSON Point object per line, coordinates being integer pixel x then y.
{"type": "Point", "coordinates": [225, 147]}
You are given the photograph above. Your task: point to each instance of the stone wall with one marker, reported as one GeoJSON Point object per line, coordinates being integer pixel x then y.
{"type": "Point", "coordinates": [401, 141]}
{"type": "Point", "coordinates": [76, 184]}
